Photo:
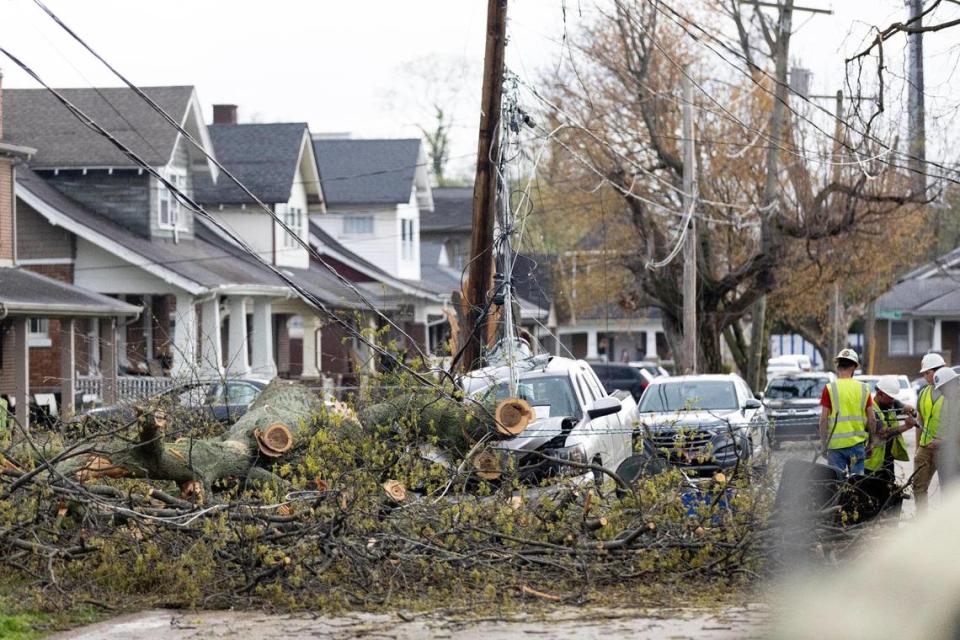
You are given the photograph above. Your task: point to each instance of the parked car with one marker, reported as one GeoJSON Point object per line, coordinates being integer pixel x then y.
{"type": "Point", "coordinates": [704, 423]}
{"type": "Point", "coordinates": [793, 404]}
{"type": "Point", "coordinates": [907, 395]}
{"type": "Point", "coordinates": [652, 368]}
{"type": "Point", "coordinates": [620, 375]}
{"type": "Point", "coordinates": [576, 419]}
{"type": "Point", "coordinates": [191, 404]}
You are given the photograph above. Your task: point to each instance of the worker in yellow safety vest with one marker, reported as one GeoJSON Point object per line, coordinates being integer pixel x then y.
{"type": "Point", "coordinates": [847, 420]}
{"type": "Point", "coordinates": [889, 445]}
{"type": "Point", "coordinates": [929, 405]}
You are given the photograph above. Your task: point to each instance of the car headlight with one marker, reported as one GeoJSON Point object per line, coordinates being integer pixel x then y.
{"type": "Point", "coordinates": [576, 453]}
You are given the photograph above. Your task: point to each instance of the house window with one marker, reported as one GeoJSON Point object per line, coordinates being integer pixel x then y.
{"type": "Point", "coordinates": [38, 332]}
{"type": "Point", "coordinates": [899, 337]}
{"type": "Point", "coordinates": [356, 225]}
{"type": "Point", "coordinates": [406, 239]}
{"type": "Point", "coordinates": [293, 218]}
{"type": "Point", "coordinates": [911, 337]}
{"type": "Point", "coordinates": [168, 209]}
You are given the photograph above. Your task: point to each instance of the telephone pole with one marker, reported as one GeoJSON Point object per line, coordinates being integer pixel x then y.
{"type": "Point", "coordinates": [690, 244]}
{"type": "Point", "coordinates": [915, 106]}
{"type": "Point", "coordinates": [480, 274]}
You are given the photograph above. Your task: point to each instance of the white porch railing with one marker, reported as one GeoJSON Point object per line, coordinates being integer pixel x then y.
{"type": "Point", "coordinates": [128, 387]}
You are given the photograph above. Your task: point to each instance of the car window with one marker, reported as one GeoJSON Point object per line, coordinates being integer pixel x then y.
{"type": "Point", "coordinates": [690, 395]}
{"type": "Point", "coordinates": [241, 393]}
{"type": "Point", "coordinates": [599, 390]}
{"type": "Point", "coordinates": [194, 396]}
{"type": "Point", "coordinates": [795, 388]}
{"type": "Point", "coordinates": [904, 383]}
{"type": "Point", "coordinates": [555, 392]}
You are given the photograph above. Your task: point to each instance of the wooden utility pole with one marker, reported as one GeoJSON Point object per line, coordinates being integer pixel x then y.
{"type": "Point", "coordinates": [690, 244]}
{"type": "Point", "coordinates": [915, 107]}
{"type": "Point", "coordinates": [480, 274]}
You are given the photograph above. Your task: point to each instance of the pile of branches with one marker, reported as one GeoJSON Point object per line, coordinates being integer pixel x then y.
{"type": "Point", "coordinates": [310, 504]}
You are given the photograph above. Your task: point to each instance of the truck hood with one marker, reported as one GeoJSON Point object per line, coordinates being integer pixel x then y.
{"type": "Point", "coordinates": [691, 419]}
{"type": "Point", "coordinates": [537, 434]}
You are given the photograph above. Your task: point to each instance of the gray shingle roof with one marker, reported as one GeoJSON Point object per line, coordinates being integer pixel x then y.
{"type": "Point", "coordinates": [264, 157]}
{"type": "Point", "coordinates": [34, 117]}
{"type": "Point", "coordinates": [367, 171]}
{"type": "Point", "coordinates": [933, 296]}
{"type": "Point", "coordinates": [452, 210]}
{"type": "Point", "coordinates": [26, 293]}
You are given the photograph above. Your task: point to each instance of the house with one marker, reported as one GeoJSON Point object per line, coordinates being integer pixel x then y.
{"type": "Point", "coordinates": [37, 311]}
{"type": "Point", "coordinates": [919, 314]}
{"type": "Point", "coordinates": [450, 223]}
{"type": "Point", "coordinates": [93, 217]}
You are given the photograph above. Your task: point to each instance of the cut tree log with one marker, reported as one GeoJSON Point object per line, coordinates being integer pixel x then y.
{"type": "Point", "coordinates": [283, 415]}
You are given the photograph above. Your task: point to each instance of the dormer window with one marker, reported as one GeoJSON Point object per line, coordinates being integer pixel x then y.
{"type": "Point", "coordinates": [168, 209]}
{"type": "Point", "coordinates": [358, 225]}
{"type": "Point", "coordinates": [406, 239]}
{"type": "Point", "coordinates": [293, 218]}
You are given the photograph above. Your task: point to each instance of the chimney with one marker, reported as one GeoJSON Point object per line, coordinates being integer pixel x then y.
{"type": "Point", "coordinates": [224, 114]}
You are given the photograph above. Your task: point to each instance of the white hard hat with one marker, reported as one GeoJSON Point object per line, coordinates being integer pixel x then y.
{"type": "Point", "coordinates": [889, 385]}
{"type": "Point", "coordinates": [931, 361]}
{"type": "Point", "coordinates": [943, 376]}
{"type": "Point", "coordinates": [848, 354]}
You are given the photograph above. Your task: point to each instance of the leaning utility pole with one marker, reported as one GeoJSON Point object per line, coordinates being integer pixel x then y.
{"type": "Point", "coordinates": [915, 107]}
{"type": "Point", "coordinates": [480, 275]}
{"type": "Point", "coordinates": [770, 186]}
{"type": "Point", "coordinates": [690, 245]}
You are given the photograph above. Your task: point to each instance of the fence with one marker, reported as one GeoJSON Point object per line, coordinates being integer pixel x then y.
{"type": "Point", "coordinates": [128, 387]}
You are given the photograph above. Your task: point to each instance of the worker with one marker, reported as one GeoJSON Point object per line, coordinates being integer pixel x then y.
{"type": "Point", "coordinates": [928, 404]}
{"type": "Point", "coordinates": [847, 421]}
{"type": "Point", "coordinates": [888, 444]}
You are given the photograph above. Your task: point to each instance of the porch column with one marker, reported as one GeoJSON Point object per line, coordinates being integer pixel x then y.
{"type": "Point", "coordinates": [93, 355]}
{"type": "Point", "coordinates": [651, 348]}
{"type": "Point", "coordinates": [21, 371]}
{"type": "Point", "coordinates": [938, 337]}
{"type": "Point", "coordinates": [184, 337]}
{"type": "Point", "coordinates": [592, 344]}
{"type": "Point", "coordinates": [147, 318]}
{"type": "Point", "coordinates": [237, 362]}
{"type": "Point", "coordinates": [68, 368]}
{"type": "Point", "coordinates": [108, 359]}
{"type": "Point", "coordinates": [263, 363]}
{"type": "Point", "coordinates": [211, 353]}
{"type": "Point", "coordinates": [311, 347]}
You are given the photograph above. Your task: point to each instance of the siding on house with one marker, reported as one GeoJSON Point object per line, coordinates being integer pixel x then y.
{"type": "Point", "coordinates": [37, 239]}
{"type": "Point", "coordinates": [123, 196]}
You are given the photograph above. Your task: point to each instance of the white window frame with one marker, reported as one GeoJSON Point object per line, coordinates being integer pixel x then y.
{"type": "Point", "coordinates": [177, 177]}
{"type": "Point", "coordinates": [358, 225]}
{"type": "Point", "coordinates": [293, 218]}
{"type": "Point", "coordinates": [911, 337]}
{"type": "Point", "coordinates": [39, 337]}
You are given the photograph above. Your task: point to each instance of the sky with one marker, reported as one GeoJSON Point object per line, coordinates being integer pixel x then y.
{"type": "Point", "coordinates": [340, 65]}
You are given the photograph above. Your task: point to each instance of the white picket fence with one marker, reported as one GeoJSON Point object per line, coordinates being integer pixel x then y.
{"type": "Point", "coordinates": [128, 387]}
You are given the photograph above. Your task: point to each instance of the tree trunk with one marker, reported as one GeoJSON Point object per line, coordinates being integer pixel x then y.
{"type": "Point", "coordinates": [278, 420]}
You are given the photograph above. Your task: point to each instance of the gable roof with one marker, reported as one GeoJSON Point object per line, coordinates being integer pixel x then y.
{"type": "Point", "coordinates": [264, 157]}
{"type": "Point", "coordinates": [36, 118]}
{"type": "Point", "coordinates": [24, 292]}
{"type": "Point", "coordinates": [367, 171]}
{"type": "Point", "coordinates": [193, 264]}
{"type": "Point", "coordinates": [924, 296]}
{"type": "Point", "coordinates": [452, 210]}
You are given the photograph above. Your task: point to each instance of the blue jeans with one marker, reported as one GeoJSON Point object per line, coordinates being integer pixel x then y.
{"type": "Point", "coordinates": [848, 458]}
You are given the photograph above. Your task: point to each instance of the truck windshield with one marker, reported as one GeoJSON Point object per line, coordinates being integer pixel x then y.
{"type": "Point", "coordinates": [554, 392]}
{"type": "Point", "coordinates": [689, 395]}
{"type": "Point", "coordinates": [795, 388]}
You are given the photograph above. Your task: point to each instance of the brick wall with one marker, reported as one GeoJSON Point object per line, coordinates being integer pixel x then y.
{"type": "Point", "coordinates": [887, 364]}
{"type": "Point", "coordinates": [38, 239]}
{"type": "Point", "coordinates": [6, 211]}
{"type": "Point", "coordinates": [335, 355]}
{"type": "Point", "coordinates": [45, 363]}
{"type": "Point", "coordinates": [61, 272]}
{"type": "Point", "coordinates": [123, 196]}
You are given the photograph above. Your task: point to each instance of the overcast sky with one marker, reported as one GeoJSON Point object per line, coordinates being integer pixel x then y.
{"type": "Point", "coordinates": [338, 64]}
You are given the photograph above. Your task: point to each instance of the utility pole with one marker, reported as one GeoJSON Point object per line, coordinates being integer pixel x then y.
{"type": "Point", "coordinates": [480, 275]}
{"type": "Point", "coordinates": [690, 244]}
{"type": "Point", "coordinates": [915, 107]}
{"type": "Point", "coordinates": [770, 187]}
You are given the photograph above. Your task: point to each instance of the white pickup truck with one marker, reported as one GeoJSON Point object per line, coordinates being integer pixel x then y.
{"type": "Point", "coordinates": [576, 420]}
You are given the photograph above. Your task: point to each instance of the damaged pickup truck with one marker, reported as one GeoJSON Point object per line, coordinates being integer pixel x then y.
{"type": "Point", "coordinates": [575, 419]}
